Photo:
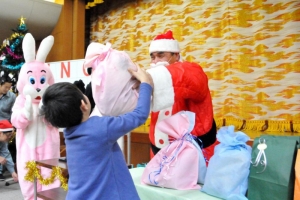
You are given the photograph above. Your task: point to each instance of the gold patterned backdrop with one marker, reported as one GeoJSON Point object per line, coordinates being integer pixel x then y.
{"type": "Point", "coordinates": [249, 49]}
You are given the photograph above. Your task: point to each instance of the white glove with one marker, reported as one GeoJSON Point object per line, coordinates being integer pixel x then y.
{"type": "Point", "coordinates": [27, 110]}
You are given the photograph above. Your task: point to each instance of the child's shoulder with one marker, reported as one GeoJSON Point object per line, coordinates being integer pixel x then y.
{"type": "Point", "coordinates": [96, 118]}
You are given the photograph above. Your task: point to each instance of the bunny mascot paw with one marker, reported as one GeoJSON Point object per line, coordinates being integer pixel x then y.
{"type": "Point", "coordinates": [27, 110]}
{"type": "Point", "coordinates": [35, 139]}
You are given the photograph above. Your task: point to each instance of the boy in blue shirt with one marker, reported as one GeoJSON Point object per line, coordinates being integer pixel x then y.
{"type": "Point", "coordinates": [96, 165]}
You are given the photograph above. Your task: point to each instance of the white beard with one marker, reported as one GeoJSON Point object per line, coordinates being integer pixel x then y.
{"type": "Point", "coordinates": [163, 63]}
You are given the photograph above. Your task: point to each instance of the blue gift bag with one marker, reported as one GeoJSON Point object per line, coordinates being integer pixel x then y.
{"type": "Point", "coordinates": [228, 169]}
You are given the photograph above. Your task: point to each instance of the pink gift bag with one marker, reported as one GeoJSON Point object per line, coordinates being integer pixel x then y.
{"type": "Point", "coordinates": [111, 82]}
{"type": "Point", "coordinates": [176, 165]}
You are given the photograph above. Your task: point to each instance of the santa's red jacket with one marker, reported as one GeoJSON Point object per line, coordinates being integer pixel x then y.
{"type": "Point", "coordinates": [182, 86]}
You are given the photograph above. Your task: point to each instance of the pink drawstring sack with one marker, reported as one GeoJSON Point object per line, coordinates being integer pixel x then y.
{"type": "Point", "coordinates": [175, 166]}
{"type": "Point", "coordinates": [111, 81]}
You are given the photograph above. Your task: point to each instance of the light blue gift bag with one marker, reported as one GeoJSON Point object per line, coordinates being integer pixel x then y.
{"type": "Point", "coordinates": [229, 167]}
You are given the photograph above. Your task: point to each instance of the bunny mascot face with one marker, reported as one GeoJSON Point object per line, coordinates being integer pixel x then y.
{"type": "Point", "coordinates": [35, 140]}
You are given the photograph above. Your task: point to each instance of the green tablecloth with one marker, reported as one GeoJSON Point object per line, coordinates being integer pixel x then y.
{"type": "Point", "coordinates": [151, 192]}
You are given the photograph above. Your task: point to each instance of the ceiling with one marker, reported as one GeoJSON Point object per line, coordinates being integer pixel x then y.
{"type": "Point", "coordinates": [41, 17]}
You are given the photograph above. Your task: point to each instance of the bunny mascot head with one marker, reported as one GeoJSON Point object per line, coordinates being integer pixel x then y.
{"type": "Point", "coordinates": [35, 75]}
{"type": "Point", "coordinates": [35, 140]}
{"type": "Point", "coordinates": [111, 81]}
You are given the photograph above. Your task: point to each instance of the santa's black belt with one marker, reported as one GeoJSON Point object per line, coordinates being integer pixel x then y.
{"type": "Point", "coordinates": [203, 141]}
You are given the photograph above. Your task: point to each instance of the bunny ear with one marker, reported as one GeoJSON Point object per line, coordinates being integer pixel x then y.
{"type": "Point", "coordinates": [45, 48]}
{"type": "Point", "coordinates": [28, 46]}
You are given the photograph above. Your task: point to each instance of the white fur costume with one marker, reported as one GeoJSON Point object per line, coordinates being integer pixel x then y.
{"type": "Point", "coordinates": [35, 140]}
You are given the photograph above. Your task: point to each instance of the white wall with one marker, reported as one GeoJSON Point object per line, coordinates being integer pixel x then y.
{"type": "Point", "coordinates": [69, 71]}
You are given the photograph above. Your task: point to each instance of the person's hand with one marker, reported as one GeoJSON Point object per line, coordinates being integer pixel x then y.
{"type": "Point", "coordinates": [136, 84]}
{"type": "Point", "coordinates": [2, 160]}
{"type": "Point", "coordinates": [15, 176]}
{"type": "Point", "coordinates": [141, 75]}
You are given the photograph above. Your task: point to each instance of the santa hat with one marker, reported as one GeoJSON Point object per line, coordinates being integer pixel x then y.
{"type": "Point", "coordinates": [164, 43]}
{"type": "Point", "coordinates": [5, 126]}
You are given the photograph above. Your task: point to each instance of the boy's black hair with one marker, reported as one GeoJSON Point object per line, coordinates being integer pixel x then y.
{"type": "Point", "coordinates": [61, 105]}
{"type": "Point", "coordinates": [5, 79]}
{"type": "Point", "coordinates": [80, 84]}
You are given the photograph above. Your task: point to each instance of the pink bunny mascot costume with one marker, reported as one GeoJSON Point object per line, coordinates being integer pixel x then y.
{"type": "Point", "coordinates": [35, 140]}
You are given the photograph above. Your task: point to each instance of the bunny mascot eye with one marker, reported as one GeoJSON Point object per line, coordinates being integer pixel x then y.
{"type": "Point", "coordinates": [36, 140]}
{"type": "Point", "coordinates": [31, 80]}
{"type": "Point", "coordinates": [43, 79]}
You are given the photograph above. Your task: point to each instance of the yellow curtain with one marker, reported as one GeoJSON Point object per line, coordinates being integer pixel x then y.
{"type": "Point", "coordinates": [250, 50]}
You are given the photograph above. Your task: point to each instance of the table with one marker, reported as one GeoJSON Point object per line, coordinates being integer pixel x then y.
{"type": "Point", "coordinates": [55, 193]}
{"type": "Point", "coordinates": [151, 192]}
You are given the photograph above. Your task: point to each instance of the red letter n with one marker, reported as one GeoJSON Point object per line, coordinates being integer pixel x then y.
{"type": "Point", "coordinates": [64, 69]}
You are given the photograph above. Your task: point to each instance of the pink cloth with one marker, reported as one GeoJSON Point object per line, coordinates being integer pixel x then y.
{"type": "Point", "coordinates": [176, 165]}
{"type": "Point", "coordinates": [111, 81]}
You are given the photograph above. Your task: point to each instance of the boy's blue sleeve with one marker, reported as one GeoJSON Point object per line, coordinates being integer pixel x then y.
{"type": "Point", "coordinates": [119, 126]}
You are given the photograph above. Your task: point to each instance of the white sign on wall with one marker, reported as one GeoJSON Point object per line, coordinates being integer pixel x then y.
{"type": "Point", "coordinates": [69, 71]}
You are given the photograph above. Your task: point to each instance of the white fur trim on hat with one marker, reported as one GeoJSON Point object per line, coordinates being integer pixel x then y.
{"type": "Point", "coordinates": [6, 129]}
{"type": "Point", "coordinates": [164, 45]}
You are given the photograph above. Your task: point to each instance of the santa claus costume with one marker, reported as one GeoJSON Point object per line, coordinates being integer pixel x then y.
{"type": "Point", "coordinates": [180, 86]}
